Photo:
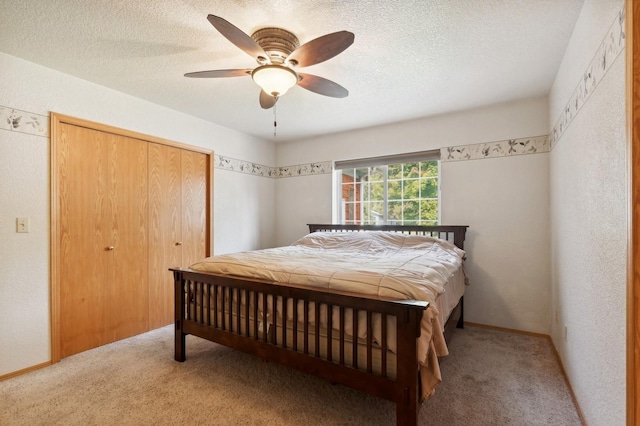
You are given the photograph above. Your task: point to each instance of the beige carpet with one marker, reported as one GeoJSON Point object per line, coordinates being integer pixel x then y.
{"type": "Point", "coordinates": [490, 378]}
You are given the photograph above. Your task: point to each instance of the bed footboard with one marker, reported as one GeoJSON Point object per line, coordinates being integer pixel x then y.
{"type": "Point", "coordinates": [316, 331]}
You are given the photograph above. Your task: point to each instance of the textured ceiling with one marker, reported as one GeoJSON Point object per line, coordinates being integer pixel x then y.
{"type": "Point", "coordinates": [410, 58]}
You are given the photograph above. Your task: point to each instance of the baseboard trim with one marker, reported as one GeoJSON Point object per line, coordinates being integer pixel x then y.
{"type": "Point", "coordinates": [25, 370]}
{"type": "Point", "coordinates": [508, 330]}
{"type": "Point", "coordinates": [555, 352]}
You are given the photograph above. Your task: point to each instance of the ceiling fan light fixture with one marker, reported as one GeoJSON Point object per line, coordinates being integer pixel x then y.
{"type": "Point", "coordinates": [274, 79]}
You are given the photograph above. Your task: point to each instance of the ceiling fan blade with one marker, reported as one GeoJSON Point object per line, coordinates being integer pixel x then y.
{"type": "Point", "coordinates": [238, 37]}
{"type": "Point", "coordinates": [322, 86]}
{"type": "Point", "coordinates": [320, 49]}
{"type": "Point", "coordinates": [219, 73]}
{"type": "Point", "coordinates": [266, 100]}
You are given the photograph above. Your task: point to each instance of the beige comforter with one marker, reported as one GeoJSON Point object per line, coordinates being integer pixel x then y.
{"type": "Point", "coordinates": [384, 264]}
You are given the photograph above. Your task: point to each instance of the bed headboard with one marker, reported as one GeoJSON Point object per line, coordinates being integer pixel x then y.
{"type": "Point", "coordinates": [451, 233]}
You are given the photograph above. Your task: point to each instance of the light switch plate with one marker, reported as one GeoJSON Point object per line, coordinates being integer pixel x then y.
{"type": "Point", "coordinates": [22, 224]}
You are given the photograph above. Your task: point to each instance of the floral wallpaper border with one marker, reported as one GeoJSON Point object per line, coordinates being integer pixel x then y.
{"type": "Point", "coordinates": [248, 167]}
{"type": "Point", "coordinates": [609, 50]}
{"type": "Point", "coordinates": [505, 148]}
{"type": "Point", "coordinates": [241, 166]}
{"type": "Point", "coordinates": [305, 169]}
{"type": "Point", "coordinates": [24, 122]}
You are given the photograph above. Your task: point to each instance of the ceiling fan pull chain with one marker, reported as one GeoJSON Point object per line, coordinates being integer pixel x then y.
{"type": "Point", "coordinates": [275, 121]}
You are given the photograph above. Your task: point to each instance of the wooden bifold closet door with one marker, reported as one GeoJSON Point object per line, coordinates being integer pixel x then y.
{"type": "Point", "coordinates": [177, 220]}
{"type": "Point", "coordinates": [125, 208]}
{"type": "Point", "coordinates": [103, 225]}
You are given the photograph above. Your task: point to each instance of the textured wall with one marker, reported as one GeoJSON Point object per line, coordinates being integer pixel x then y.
{"type": "Point", "coordinates": [241, 202]}
{"type": "Point", "coordinates": [505, 201]}
{"type": "Point", "coordinates": [24, 258]}
{"type": "Point", "coordinates": [588, 216]}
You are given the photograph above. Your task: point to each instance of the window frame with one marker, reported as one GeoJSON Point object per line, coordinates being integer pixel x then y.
{"type": "Point", "coordinates": [339, 205]}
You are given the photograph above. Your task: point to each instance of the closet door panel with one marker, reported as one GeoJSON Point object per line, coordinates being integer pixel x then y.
{"type": "Point", "coordinates": [127, 301]}
{"type": "Point", "coordinates": [125, 209]}
{"type": "Point", "coordinates": [165, 236]}
{"type": "Point", "coordinates": [84, 238]}
{"type": "Point", "coordinates": [195, 199]}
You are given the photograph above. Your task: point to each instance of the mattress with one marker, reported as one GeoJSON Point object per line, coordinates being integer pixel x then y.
{"type": "Point", "coordinates": [449, 298]}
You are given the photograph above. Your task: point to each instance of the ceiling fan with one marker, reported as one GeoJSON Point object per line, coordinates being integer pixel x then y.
{"type": "Point", "coordinates": [279, 53]}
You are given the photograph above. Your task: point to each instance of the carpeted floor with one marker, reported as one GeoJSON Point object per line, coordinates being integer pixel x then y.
{"type": "Point", "coordinates": [491, 378]}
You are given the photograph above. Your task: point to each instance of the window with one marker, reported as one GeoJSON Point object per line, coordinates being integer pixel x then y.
{"type": "Point", "coordinates": [398, 189]}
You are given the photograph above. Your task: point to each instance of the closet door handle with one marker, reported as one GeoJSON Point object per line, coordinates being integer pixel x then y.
{"type": "Point", "coordinates": [179, 243]}
{"type": "Point", "coordinates": [111, 248]}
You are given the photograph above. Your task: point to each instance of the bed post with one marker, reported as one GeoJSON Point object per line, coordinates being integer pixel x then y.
{"type": "Point", "coordinates": [459, 236]}
{"type": "Point", "coordinates": [179, 302]}
{"type": "Point", "coordinates": [408, 330]}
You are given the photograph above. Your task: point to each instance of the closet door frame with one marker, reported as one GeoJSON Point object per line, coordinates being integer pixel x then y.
{"type": "Point", "coordinates": [56, 121]}
{"type": "Point", "coordinates": [633, 174]}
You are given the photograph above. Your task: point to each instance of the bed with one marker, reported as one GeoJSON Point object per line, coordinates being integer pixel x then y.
{"type": "Point", "coordinates": [334, 304]}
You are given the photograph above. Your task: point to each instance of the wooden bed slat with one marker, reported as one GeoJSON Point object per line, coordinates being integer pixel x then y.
{"type": "Point", "coordinates": [306, 327]}
{"type": "Point", "coordinates": [255, 315]}
{"type": "Point", "coordinates": [330, 333]}
{"type": "Point", "coordinates": [295, 323]}
{"type": "Point", "coordinates": [265, 328]}
{"type": "Point", "coordinates": [215, 305]}
{"type": "Point", "coordinates": [247, 295]}
{"type": "Point", "coordinates": [341, 335]}
{"type": "Point", "coordinates": [274, 328]}
{"type": "Point", "coordinates": [316, 325]}
{"type": "Point", "coordinates": [230, 311]}
{"type": "Point", "coordinates": [284, 322]}
{"type": "Point", "coordinates": [369, 342]}
{"type": "Point", "coordinates": [355, 337]}
{"type": "Point", "coordinates": [383, 350]}
{"type": "Point", "coordinates": [238, 310]}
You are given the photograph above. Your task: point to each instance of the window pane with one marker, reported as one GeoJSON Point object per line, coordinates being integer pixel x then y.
{"type": "Point", "coordinates": [376, 191]}
{"type": "Point", "coordinates": [395, 190]}
{"type": "Point", "coordinates": [361, 173]}
{"type": "Point", "coordinates": [350, 211]}
{"type": "Point", "coordinates": [348, 192]}
{"type": "Point", "coordinates": [429, 168]}
{"type": "Point", "coordinates": [429, 188]}
{"type": "Point", "coordinates": [411, 170]}
{"type": "Point", "coordinates": [366, 190]}
{"type": "Point", "coordinates": [411, 210]}
{"type": "Point", "coordinates": [373, 213]}
{"type": "Point", "coordinates": [376, 174]}
{"type": "Point", "coordinates": [348, 172]}
{"type": "Point", "coordinates": [411, 189]}
{"type": "Point", "coordinates": [429, 210]}
{"type": "Point", "coordinates": [394, 194]}
{"type": "Point", "coordinates": [394, 171]}
{"type": "Point", "coordinates": [395, 212]}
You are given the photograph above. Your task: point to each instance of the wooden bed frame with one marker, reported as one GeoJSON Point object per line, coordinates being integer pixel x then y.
{"type": "Point", "coordinates": [235, 326]}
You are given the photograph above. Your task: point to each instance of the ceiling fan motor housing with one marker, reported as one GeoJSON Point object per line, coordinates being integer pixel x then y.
{"type": "Point", "coordinates": [276, 42]}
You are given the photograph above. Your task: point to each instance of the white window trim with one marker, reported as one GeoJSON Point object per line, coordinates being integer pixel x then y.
{"type": "Point", "coordinates": [338, 206]}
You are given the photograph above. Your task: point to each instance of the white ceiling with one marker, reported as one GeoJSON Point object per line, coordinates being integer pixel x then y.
{"type": "Point", "coordinates": [410, 58]}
